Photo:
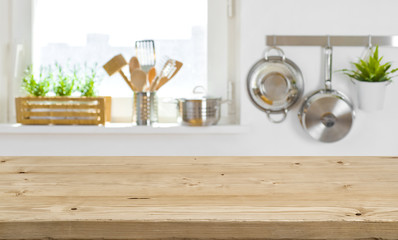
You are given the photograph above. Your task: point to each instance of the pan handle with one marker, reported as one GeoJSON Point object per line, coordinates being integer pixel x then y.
{"type": "Point", "coordinates": [199, 90]}
{"type": "Point", "coordinates": [328, 67]}
{"type": "Point", "coordinates": [284, 114]}
{"type": "Point", "coordinates": [278, 50]}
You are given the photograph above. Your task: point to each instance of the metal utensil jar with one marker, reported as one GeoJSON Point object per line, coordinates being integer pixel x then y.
{"type": "Point", "coordinates": [145, 112]}
{"type": "Point", "coordinates": [327, 115]}
{"type": "Point", "coordinates": [199, 112]}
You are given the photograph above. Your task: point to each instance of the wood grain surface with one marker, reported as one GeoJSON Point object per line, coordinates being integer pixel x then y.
{"type": "Point", "coordinates": [198, 197]}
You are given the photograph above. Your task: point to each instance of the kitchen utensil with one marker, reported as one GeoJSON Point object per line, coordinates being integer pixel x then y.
{"type": "Point", "coordinates": [115, 65]}
{"type": "Point", "coordinates": [274, 84]}
{"type": "Point", "coordinates": [134, 64]}
{"type": "Point", "coordinates": [165, 68]}
{"type": "Point", "coordinates": [138, 78]}
{"type": "Point", "coordinates": [161, 82]}
{"type": "Point", "coordinates": [145, 111]}
{"type": "Point", "coordinates": [177, 66]}
{"type": "Point", "coordinates": [151, 75]}
{"type": "Point", "coordinates": [169, 69]}
{"type": "Point", "coordinates": [199, 111]}
{"type": "Point", "coordinates": [145, 52]}
{"type": "Point", "coordinates": [327, 115]}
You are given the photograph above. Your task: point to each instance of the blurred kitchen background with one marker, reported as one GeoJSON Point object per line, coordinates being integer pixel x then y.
{"type": "Point", "coordinates": [233, 39]}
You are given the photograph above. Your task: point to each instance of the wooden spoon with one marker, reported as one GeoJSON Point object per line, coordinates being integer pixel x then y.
{"type": "Point", "coordinates": [151, 75]}
{"type": "Point", "coordinates": [138, 79]}
{"type": "Point", "coordinates": [133, 65]}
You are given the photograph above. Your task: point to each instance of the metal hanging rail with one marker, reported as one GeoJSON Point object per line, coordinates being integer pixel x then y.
{"type": "Point", "coordinates": [300, 40]}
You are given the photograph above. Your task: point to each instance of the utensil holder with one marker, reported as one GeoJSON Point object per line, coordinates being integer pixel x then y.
{"type": "Point", "coordinates": [145, 110]}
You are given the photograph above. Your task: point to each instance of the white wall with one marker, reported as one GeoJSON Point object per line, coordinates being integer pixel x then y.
{"type": "Point", "coordinates": [372, 133]}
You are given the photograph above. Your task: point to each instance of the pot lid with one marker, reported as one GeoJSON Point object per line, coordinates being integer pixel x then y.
{"type": "Point", "coordinates": [199, 93]}
{"type": "Point", "coordinates": [327, 116]}
{"type": "Point", "coordinates": [199, 99]}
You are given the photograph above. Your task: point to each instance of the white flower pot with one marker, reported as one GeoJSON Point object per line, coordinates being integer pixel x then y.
{"type": "Point", "coordinates": [371, 95]}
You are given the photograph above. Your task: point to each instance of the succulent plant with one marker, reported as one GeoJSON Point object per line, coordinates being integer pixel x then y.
{"type": "Point", "coordinates": [371, 69]}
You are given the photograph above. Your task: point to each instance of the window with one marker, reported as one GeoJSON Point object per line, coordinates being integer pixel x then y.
{"type": "Point", "coordinates": [76, 31]}
{"type": "Point", "coordinates": [32, 32]}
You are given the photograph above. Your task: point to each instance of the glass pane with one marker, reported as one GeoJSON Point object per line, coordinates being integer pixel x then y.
{"type": "Point", "coordinates": [93, 31]}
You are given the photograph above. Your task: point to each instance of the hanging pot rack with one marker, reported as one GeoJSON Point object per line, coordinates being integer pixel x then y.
{"type": "Point", "coordinates": [331, 40]}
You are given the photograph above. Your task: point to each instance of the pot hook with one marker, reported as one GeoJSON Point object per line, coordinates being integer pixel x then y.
{"type": "Point", "coordinates": [328, 65]}
{"type": "Point", "coordinates": [370, 41]}
{"type": "Point", "coordinates": [368, 50]}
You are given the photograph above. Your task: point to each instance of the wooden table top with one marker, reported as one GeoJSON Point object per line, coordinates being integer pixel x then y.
{"type": "Point", "coordinates": [199, 197]}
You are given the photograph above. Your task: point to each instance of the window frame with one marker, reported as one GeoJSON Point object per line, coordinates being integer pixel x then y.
{"type": "Point", "coordinates": [4, 49]}
{"type": "Point", "coordinates": [18, 43]}
{"type": "Point", "coordinates": [221, 41]}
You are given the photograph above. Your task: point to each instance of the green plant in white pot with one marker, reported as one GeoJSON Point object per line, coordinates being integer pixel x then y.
{"type": "Point", "coordinates": [371, 78]}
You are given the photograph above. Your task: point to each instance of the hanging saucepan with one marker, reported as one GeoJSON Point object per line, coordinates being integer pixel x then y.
{"type": "Point", "coordinates": [327, 115]}
{"type": "Point", "coordinates": [274, 84]}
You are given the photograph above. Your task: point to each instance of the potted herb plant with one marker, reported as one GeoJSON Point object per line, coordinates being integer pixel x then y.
{"type": "Point", "coordinates": [371, 77]}
{"type": "Point", "coordinates": [64, 83]}
{"type": "Point", "coordinates": [75, 100]}
{"type": "Point", "coordinates": [88, 84]}
{"type": "Point", "coordinates": [37, 86]}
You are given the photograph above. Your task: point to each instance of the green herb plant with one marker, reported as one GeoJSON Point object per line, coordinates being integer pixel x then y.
{"type": "Point", "coordinates": [88, 84]}
{"type": "Point", "coordinates": [34, 86]}
{"type": "Point", "coordinates": [64, 83]}
{"type": "Point", "coordinates": [371, 69]}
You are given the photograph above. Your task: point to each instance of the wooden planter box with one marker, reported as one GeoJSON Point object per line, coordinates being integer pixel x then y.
{"type": "Point", "coordinates": [63, 110]}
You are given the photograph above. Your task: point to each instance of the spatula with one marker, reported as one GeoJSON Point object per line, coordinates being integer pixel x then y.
{"type": "Point", "coordinates": [161, 82]}
{"type": "Point", "coordinates": [166, 69]}
{"type": "Point", "coordinates": [115, 65]}
{"type": "Point", "coordinates": [145, 52]}
{"type": "Point", "coordinates": [176, 67]}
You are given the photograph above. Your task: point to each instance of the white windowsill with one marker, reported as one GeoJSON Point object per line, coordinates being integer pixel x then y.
{"type": "Point", "coordinates": [121, 128]}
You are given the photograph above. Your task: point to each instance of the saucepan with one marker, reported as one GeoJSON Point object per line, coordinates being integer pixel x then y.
{"type": "Point", "coordinates": [327, 115]}
{"type": "Point", "coordinates": [274, 84]}
{"type": "Point", "coordinates": [200, 110]}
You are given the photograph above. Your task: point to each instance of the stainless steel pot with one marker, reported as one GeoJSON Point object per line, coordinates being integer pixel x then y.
{"type": "Point", "coordinates": [327, 115]}
{"type": "Point", "coordinates": [199, 112]}
{"type": "Point", "coordinates": [274, 84]}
